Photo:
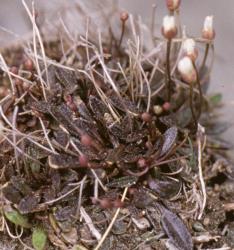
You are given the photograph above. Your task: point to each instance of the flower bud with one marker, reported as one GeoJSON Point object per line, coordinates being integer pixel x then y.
{"type": "Point", "coordinates": [141, 163]}
{"type": "Point", "coordinates": [14, 70]}
{"type": "Point", "coordinates": [166, 106]}
{"type": "Point", "coordinates": [83, 161]}
{"type": "Point", "coordinates": [28, 64]}
{"type": "Point", "coordinates": [146, 117]}
{"type": "Point", "coordinates": [190, 50]}
{"type": "Point", "coordinates": [124, 16]}
{"type": "Point", "coordinates": [208, 29]}
{"type": "Point", "coordinates": [173, 5]}
{"type": "Point", "coordinates": [157, 109]}
{"type": "Point", "coordinates": [169, 29]}
{"type": "Point", "coordinates": [105, 203]}
{"type": "Point", "coordinates": [187, 70]}
{"type": "Point", "coordinates": [86, 140]}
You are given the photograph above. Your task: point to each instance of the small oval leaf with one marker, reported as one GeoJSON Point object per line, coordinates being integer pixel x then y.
{"type": "Point", "coordinates": [169, 139]}
{"type": "Point", "coordinates": [215, 99]}
{"type": "Point", "coordinates": [175, 229]}
{"type": "Point", "coordinates": [126, 181]}
{"type": "Point", "coordinates": [15, 217]}
{"type": "Point", "coordinates": [39, 238]}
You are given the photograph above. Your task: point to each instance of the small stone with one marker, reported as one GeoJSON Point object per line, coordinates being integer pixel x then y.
{"type": "Point", "coordinates": [206, 221]}
{"type": "Point", "coordinates": [141, 223]}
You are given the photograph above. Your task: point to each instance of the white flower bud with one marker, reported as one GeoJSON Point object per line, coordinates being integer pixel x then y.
{"type": "Point", "coordinates": [208, 29]}
{"type": "Point", "coordinates": [169, 29]}
{"type": "Point", "coordinates": [189, 48]}
{"type": "Point", "coordinates": [173, 4]}
{"type": "Point", "coordinates": [187, 70]}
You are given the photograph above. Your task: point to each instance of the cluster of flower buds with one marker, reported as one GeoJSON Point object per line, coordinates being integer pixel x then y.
{"type": "Point", "coordinates": [208, 29]}
{"type": "Point", "coordinates": [173, 5]}
{"type": "Point", "coordinates": [187, 70]}
{"type": "Point", "coordinates": [169, 29]}
{"type": "Point", "coordinates": [189, 49]}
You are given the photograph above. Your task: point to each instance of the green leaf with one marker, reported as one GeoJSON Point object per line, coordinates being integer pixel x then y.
{"type": "Point", "coordinates": [216, 99]}
{"type": "Point", "coordinates": [39, 238]}
{"type": "Point", "coordinates": [15, 217]}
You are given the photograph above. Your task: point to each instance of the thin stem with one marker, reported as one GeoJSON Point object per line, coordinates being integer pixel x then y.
{"type": "Point", "coordinates": [205, 56]}
{"type": "Point", "coordinates": [200, 92]}
{"type": "Point", "coordinates": [191, 104]}
{"type": "Point", "coordinates": [168, 70]}
{"type": "Point", "coordinates": [80, 196]}
{"type": "Point", "coordinates": [122, 33]}
{"type": "Point", "coordinates": [152, 28]}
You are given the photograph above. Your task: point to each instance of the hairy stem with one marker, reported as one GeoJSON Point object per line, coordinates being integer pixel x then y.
{"type": "Point", "coordinates": [200, 92]}
{"type": "Point", "coordinates": [205, 56]}
{"type": "Point", "coordinates": [122, 34]}
{"type": "Point", "coordinates": [168, 70]}
{"type": "Point", "coordinates": [191, 104]}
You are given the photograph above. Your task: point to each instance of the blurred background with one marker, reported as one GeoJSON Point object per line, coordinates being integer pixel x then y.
{"type": "Point", "coordinates": [14, 18]}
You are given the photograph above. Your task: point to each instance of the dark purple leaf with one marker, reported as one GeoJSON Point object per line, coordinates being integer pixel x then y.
{"type": "Point", "coordinates": [164, 186]}
{"type": "Point", "coordinates": [82, 109]}
{"type": "Point", "coordinates": [63, 115]}
{"type": "Point", "coordinates": [11, 193]}
{"type": "Point", "coordinates": [61, 138]}
{"type": "Point", "coordinates": [169, 138]}
{"type": "Point", "coordinates": [63, 161]}
{"type": "Point", "coordinates": [124, 104]}
{"type": "Point", "coordinates": [20, 184]}
{"type": "Point", "coordinates": [40, 106]}
{"type": "Point", "coordinates": [98, 107]}
{"type": "Point", "coordinates": [91, 154]}
{"type": "Point", "coordinates": [67, 78]}
{"type": "Point", "coordinates": [126, 181]}
{"type": "Point", "coordinates": [114, 155]}
{"type": "Point", "coordinates": [29, 203]}
{"type": "Point", "coordinates": [142, 199]}
{"type": "Point", "coordinates": [64, 213]}
{"type": "Point", "coordinates": [175, 229]}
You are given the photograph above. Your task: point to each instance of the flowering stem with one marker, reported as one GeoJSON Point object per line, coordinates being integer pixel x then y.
{"type": "Point", "coordinates": [191, 104]}
{"type": "Point", "coordinates": [205, 56]}
{"type": "Point", "coordinates": [200, 92]}
{"type": "Point", "coordinates": [122, 33]}
{"type": "Point", "coordinates": [168, 70]}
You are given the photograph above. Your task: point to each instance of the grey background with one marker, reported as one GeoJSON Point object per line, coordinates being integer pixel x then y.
{"type": "Point", "coordinates": [193, 12]}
